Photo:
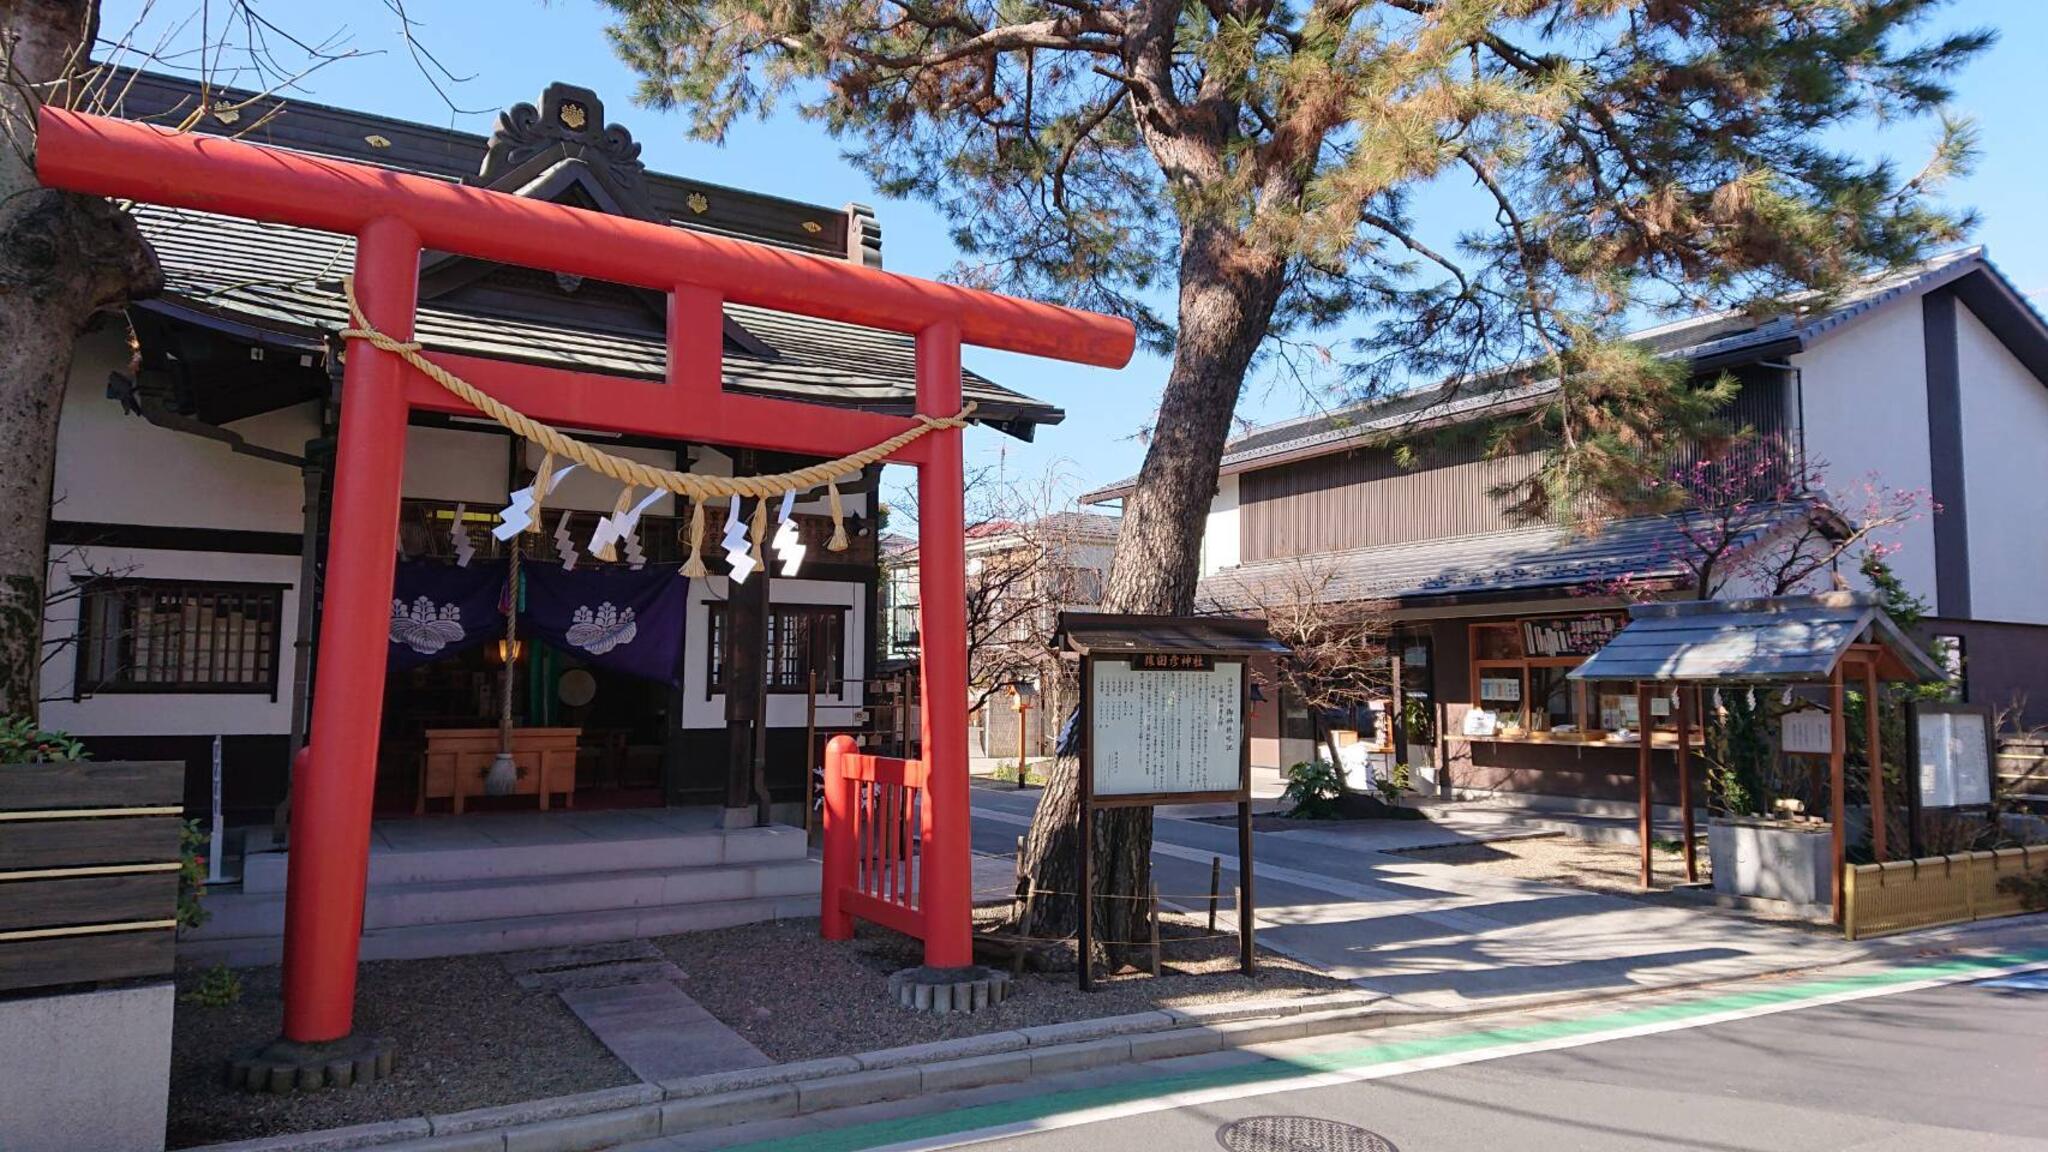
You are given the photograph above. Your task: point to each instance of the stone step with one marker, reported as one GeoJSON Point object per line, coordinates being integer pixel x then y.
{"type": "Point", "coordinates": [516, 933]}
{"type": "Point", "coordinates": [390, 905]}
{"type": "Point", "coordinates": [266, 871]}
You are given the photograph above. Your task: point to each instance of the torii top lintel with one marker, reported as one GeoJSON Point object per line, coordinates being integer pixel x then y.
{"type": "Point", "coordinates": [109, 157]}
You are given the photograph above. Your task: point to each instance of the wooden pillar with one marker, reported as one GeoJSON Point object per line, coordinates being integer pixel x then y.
{"type": "Point", "coordinates": [1873, 737]}
{"type": "Point", "coordinates": [1837, 799]}
{"type": "Point", "coordinates": [744, 661]}
{"type": "Point", "coordinates": [1643, 777]}
{"type": "Point", "coordinates": [332, 793]}
{"type": "Point", "coordinates": [945, 869]}
{"type": "Point", "coordinates": [1686, 702]}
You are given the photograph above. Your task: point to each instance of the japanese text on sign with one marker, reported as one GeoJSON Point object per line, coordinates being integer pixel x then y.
{"type": "Point", "coordinates": [1166, 731]}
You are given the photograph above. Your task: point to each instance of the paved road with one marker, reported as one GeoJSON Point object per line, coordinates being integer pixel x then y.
{"type": "Point", "coordinates": [1442, 937]}
{"type": "Point", "coordinates": [1949, 1070]}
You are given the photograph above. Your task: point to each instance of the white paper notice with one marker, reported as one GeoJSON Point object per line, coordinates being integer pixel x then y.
{"type": "Point", "coordinates": [1954, 771]}
{"type": "Point", "coordinates": [1176, 731]}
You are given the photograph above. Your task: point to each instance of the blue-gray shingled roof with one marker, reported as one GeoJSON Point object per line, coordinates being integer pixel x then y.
{"type": "Point", "coordinates": [1785, 639]}
{"type": "Point", "coordinates": [1709, 343]}
{"type": "Point", "coordinates": [1543, 560]}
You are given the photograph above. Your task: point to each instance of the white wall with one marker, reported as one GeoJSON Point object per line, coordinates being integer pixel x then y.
{"type": "Point", "coordinates": [2005, 477]}
{"type": "Point", "coordinates": [113, 468]}
{"type": "Point", "coordinates": [1865, 400]}
{"type": "Point", "coordinates": [1220, 534]}
{"type": "Point", "coordinates": [168, 713]}
{"type": "Point", "coordinates": [785, 710]}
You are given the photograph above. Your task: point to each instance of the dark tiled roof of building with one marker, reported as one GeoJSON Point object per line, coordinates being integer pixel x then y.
{"type": "Point", "coordinates": [1540, 561]}
{"type": "Point", "coordinates": [1708, 342]}
{"type": "Point", "coordinates": [276, 281]}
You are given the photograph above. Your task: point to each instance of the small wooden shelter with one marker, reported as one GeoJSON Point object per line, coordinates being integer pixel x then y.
{"type": "Point", "coordinates": [1781, 641]}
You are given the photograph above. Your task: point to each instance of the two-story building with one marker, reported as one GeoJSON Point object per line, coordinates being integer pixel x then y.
{"type": "Point", "coordinates": [1934, 381]}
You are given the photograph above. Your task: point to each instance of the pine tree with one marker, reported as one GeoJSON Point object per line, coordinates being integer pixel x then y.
{"type": "Point", "coordinates": [1233, 171]}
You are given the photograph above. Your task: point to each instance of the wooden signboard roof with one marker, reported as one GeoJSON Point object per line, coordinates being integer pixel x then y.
{"type": "Point", "coordinates": [1785, 639]}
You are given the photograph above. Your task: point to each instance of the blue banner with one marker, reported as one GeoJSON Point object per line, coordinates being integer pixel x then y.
{"type": "Point", "coordinates": [609, 617]}
{"type": "Point", "coordinates": [439, 610]}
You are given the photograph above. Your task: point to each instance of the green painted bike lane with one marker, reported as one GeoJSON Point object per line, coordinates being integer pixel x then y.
{"type": "Point", "coordinates": [976, 1118]}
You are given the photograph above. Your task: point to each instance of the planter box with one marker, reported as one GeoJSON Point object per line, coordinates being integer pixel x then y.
{"type": "Point", "coordinates": [1772, 860]}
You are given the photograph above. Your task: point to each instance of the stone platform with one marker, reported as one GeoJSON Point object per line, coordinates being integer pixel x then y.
{"type": "Point", "coordinates": [503, 882]}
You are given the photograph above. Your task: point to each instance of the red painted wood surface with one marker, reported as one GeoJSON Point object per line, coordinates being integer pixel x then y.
{"type": "Point", "coordinates": [138, 161]}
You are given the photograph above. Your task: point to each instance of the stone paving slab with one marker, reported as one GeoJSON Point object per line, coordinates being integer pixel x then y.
{"type": "Point", "coordinates": [656, 1030]}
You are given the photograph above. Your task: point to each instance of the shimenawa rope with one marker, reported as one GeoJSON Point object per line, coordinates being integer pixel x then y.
{"type": "Point", "coordinates": [633, 473]}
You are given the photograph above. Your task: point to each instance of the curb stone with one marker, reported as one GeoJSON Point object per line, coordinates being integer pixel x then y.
{"type": "Point", "coordinates": [640, 1111]}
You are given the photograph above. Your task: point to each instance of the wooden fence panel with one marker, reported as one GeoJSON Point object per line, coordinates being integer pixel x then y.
{"type": "Point", "coordinates": [88, 871]}
{"type": "Point", "coordinates": [1879, 899]}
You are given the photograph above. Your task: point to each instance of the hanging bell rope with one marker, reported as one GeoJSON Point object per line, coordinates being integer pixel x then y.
{"type": "Point", "coordinates": [695, 486]}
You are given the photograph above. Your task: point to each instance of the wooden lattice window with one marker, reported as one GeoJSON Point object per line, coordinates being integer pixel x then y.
{"type": "Point", "coordinates": [178, 636]}
{"type": "Point", "coordinates": [802, 638]}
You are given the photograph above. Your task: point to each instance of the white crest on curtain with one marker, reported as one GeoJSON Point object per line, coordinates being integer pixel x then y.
{"type": "Point", "coordinates": [598, 632]}
{"type": "Point", "coordinates": [424, 628]}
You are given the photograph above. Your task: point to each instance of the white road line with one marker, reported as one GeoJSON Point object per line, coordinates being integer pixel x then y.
{"type": "Point", "coordinates": [1432, 1063]}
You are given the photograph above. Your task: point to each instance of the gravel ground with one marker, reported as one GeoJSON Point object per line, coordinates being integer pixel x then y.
{"type": "Point", "coordinates": [802, 997]}
{"type": "Point", "coordinates": [467, 1037]}
{"type": "Point", "coordinates": [1608, 868]}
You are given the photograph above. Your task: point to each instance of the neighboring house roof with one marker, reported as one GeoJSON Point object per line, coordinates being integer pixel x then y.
{"type": "Point", "coordinates": [1071, 528]}
{"type": "Point", "coordinates": [1708, 343]}
{"type": "Point", "coordinates": [277, 283]}
{"type": "Point", "coordinates": [1778, 640]}
{"type": "Point", "coordinates": [1540, 560]}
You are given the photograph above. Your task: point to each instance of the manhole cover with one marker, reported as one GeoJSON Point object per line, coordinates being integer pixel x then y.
{"type": "Point", "coordinates": [1299, 1134]}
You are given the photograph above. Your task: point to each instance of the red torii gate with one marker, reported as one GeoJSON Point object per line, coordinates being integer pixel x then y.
{"type": "Point", "coordinates": [394, 216]}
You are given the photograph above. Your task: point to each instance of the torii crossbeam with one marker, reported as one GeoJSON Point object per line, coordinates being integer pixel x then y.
{"type": "Point", "coordinates": [394, 216]}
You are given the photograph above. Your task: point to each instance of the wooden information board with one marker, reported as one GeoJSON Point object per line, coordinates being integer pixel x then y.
{"type": "Point", "coordinates": [1954, 755]}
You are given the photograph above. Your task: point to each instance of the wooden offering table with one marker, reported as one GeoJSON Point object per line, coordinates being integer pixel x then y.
{"type": "Point", "coordinates": [457, 759]}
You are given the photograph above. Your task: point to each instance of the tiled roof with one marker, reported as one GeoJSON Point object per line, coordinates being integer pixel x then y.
{"type": "Point", "coordinates": [1784, 639]}
{"type": "Point", "coordinates": [273, 280]}
{"type": "Point", "coordinates": [1712, 340]}
{"type": "Point", "coordinates": [1542, 560]}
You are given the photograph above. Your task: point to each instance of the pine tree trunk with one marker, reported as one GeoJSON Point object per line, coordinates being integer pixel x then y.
{"type": "Point", "coordinates": [1227, 294]}
{"type": "Point", "coordinates": [63, 258]}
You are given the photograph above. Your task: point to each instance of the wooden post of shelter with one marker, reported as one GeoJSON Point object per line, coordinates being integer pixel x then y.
{"type": "Point", "coordinates": [1643, 778]}
{"type": "Point", "coordinates": [1837, 791]}
{"type": "Point", "coordinates": [1873, 738]}
{"type": "Point", "coordinates": [1686, 712]}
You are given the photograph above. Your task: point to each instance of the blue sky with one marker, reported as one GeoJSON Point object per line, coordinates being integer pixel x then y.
{"type": "Point", "coordinates": [512, 49]}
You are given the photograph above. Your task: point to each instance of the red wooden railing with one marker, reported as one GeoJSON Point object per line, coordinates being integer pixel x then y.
{"type": "Point", "coordinates": [876, 815]}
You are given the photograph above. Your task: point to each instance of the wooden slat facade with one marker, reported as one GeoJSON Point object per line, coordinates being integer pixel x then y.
{"type": "Point", "coordinates": [1364, 497]}
{"type": "Point", "coordinates": [86, 897]}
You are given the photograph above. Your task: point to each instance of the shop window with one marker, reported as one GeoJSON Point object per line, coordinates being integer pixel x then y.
{"type": "Point", "coordinates": [1534, 695]}
{"type": "Point", "coordinates": [178, 636]}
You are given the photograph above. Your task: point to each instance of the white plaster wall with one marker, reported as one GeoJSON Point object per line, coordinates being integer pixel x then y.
{"type": "Point", "coordinates": [168, 713]}
{"type": "Point", "coordinates": [1865, 401]}
{"type": "Point", "coordinates": [113, 468]}
{"type": "Point", "coordinates": [457, 464]}
{"type": "Point", "coordinates": [785, 710]}
{"type": "Point", "coordinates": [2005, 477]}
{"type": "Point", "coordinates": [1220, 534]}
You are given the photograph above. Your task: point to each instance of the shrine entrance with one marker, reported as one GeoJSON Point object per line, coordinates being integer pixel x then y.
{"type": "Point", "coordinates": [395, 218]}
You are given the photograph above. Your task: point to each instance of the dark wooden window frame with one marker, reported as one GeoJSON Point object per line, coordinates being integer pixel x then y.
{"type": "Point", "coordinates": [828, 677]}
{"type": "Point", "coordinates": [85, 681]}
